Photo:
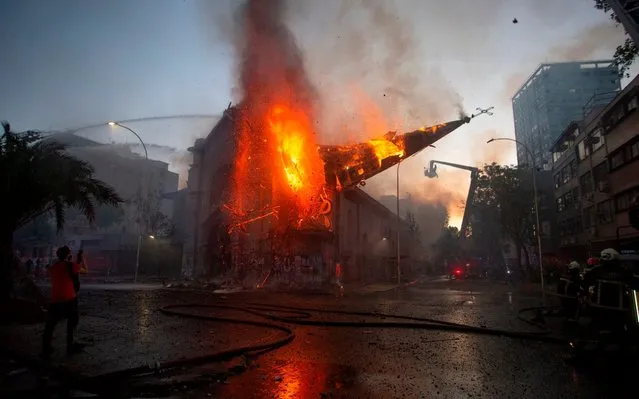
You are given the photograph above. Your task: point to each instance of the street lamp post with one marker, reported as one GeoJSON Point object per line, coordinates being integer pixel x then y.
{"type": "Point", "coordinates": [146, 154]}
{"type": "Point", "coordinates": [137, 257]}
{"type": "Point", "coordinates": [537, 226]}
{"type": "Point", "coordinates": [399, 269]}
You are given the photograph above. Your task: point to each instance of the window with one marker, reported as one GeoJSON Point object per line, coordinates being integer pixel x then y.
{"type": "Point", "coordinates": [596, 140]}
{"type": "Point", "coordinates": [560, 204]}
{"type": "Point", "coordinates": [632, 104]}
{"type": "Point", "coordinates": [578, 228]}
{"type": "Point", "coordinates": [600, 172]}
{"type": "Point", "coordinates": [583, 150]}
{"type": "Point", "coordinates": [617, 115]}
{"type": "Point", "coordinates": [634, 150]}
{"type": "Point", "coordinates": [585, 181]}
{"type": "Point", "coordinates": [570, 227]}
{"type": "Point", "coordinates": [557, 180]}
{"type": "Point", "coordinates": [604, 212]}
{"type": "Point", "coordinates": [626, 200]}
{"type": "Point", "coordinates": [573, 168]}
{"type": "Point", "coordinates": [617, 159]}
{"type": "Point", "coordinates": [589, 216]}
{"type": "Point", "coordinates": [622, 202]}
{"type": "Point", "coordinates": [568, 199]}
{"type": "Point", "coordinates": [556, 155]}
{"type": "Point", "coordinates": [565, 174]}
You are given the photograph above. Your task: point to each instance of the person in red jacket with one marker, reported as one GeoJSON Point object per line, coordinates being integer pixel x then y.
{"type": "Point", "coordinates": [64, 304]}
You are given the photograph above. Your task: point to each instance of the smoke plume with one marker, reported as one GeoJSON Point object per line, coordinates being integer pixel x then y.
{"type": "Point", "coordinates": [593, 42]}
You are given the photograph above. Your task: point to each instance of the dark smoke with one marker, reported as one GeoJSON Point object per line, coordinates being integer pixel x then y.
{"type": "Point", "coordinates": [271, 62]}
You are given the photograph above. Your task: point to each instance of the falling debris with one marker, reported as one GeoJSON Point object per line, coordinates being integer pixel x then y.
{"type": "Point", "coordinates": [515, 21]}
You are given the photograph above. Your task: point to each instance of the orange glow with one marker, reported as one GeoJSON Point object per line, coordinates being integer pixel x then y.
{"type": "Point", "coordinates": [278, 167]}
{"type": "Point", "coordinates": [297, 149]}
{"type": "Point", "coordinates": [455, 219]}
{"type": "Point", "coordinates": [385, 148]}
{"type": "Point", "coordinates": [432, 129]}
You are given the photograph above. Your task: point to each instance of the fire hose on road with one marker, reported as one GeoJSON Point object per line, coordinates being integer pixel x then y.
{"type": "Point", "coordinates": [105, 383]}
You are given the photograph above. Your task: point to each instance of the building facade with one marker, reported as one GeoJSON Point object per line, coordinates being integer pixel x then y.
{"type": "Point", "coordinates": [596, 178]}
{"type": "Point", "coordinates": [554, 95]}
{"type": "Point", "coordinates": [111, 242]}
{"type": "Point", "coordinates": [361, 239]}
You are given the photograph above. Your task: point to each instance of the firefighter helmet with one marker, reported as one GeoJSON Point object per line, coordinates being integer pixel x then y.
{"type": "Point", "coordinates": [593, 261]}
{"type": "Point", "coordinates": [573, 265]}
{"type": "Point", "coordinates": [609, 254]}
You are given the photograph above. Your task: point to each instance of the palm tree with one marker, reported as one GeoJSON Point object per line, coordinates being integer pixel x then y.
{"type": "Point", "coordinates": [39, 177]}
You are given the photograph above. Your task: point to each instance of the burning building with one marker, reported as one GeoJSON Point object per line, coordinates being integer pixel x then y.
{"type": "Point", "coordinates": [267, 196]}
{"type": "Point", "coordinates": [253, 215]}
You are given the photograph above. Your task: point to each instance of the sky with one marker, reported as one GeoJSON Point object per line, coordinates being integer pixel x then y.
{"type": "Point", "coordinates": [375, 64]}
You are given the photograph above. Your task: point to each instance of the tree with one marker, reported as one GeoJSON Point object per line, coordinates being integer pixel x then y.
{"type": "Point", "coordinates": [40, 178]}
{"type": "Point", "coordinates": [147, 214]}
{"type": "Point", "coordinates": [626, 53]}
{"type": "Point", "coordinates": [507, 193]}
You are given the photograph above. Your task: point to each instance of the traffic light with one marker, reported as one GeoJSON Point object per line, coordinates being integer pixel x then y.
{"type": "Point", "coordinates": [633, 218]}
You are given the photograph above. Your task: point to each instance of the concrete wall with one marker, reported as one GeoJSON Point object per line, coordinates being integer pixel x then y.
{"type": "Point", "coordinates": [368, 239]}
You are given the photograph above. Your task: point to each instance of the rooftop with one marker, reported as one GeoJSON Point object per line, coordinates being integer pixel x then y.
{"type": "Point", "coordinates": [544, 67]}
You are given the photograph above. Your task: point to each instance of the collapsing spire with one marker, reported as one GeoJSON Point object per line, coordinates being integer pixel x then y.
{"type": "Point", "coordinates": [349, 165]}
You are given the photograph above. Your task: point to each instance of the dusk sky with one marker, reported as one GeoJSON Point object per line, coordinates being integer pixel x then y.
{"type": "Point", "coordinates": [70, 63]}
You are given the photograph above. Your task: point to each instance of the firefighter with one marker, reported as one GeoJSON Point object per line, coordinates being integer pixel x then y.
{"type": "Point", "coordinates": [568, 288]}
{"type": "Point", "coordinates": [607, 283]}
{"type": "Point", "coordinates": [64, 304]}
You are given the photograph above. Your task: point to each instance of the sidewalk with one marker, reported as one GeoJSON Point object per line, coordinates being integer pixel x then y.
{"type": "Point", "coordinates": [365, 289]}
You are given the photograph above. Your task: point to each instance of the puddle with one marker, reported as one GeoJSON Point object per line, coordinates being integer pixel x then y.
{"type": "Point", "coordinates": [288, 380]}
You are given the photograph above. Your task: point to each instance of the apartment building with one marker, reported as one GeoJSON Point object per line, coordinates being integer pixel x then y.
{"type": "Point", "coordinates": [596, 178]}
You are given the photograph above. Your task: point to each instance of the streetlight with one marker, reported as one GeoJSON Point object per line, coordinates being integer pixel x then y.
{"type": "Point", "coordinates": [137, 257]}
{"type": "Point", "coordinates": [146, 154]}
{"type": "Point", "coordinates": [537, 227]}
{"type": "Point", "coordinates": [399, 270]}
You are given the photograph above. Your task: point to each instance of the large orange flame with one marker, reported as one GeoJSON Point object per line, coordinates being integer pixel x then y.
{"type": "Point", "coordinates": [384, 148]}
{"type": "Point", "coordinates": [298, 164]}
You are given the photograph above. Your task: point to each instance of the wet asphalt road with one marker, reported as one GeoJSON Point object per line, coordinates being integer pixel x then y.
{"type": "Point", "coordinates": [124, 329]}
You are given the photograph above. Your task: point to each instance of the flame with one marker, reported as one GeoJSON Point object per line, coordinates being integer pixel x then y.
{"type": "Point", "coordinates": [298, 163]}
{"type": "Point", "coordinates": [292, 137]}
{"type": "Point", "coordinates": [384, 148]}
{"type": "Point", "coordinates": [431, 129]}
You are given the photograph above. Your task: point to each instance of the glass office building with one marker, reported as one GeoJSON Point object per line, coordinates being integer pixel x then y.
{"type": "Point", "coordinates": [553, 96]}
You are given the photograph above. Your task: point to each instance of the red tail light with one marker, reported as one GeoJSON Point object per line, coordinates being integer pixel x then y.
{"type": "Point", "coordinates": [458, 271]}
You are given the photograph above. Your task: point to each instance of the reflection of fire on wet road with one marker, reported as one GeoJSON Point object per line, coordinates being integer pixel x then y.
{"type": "Point", "coordinates": [292, 380]}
